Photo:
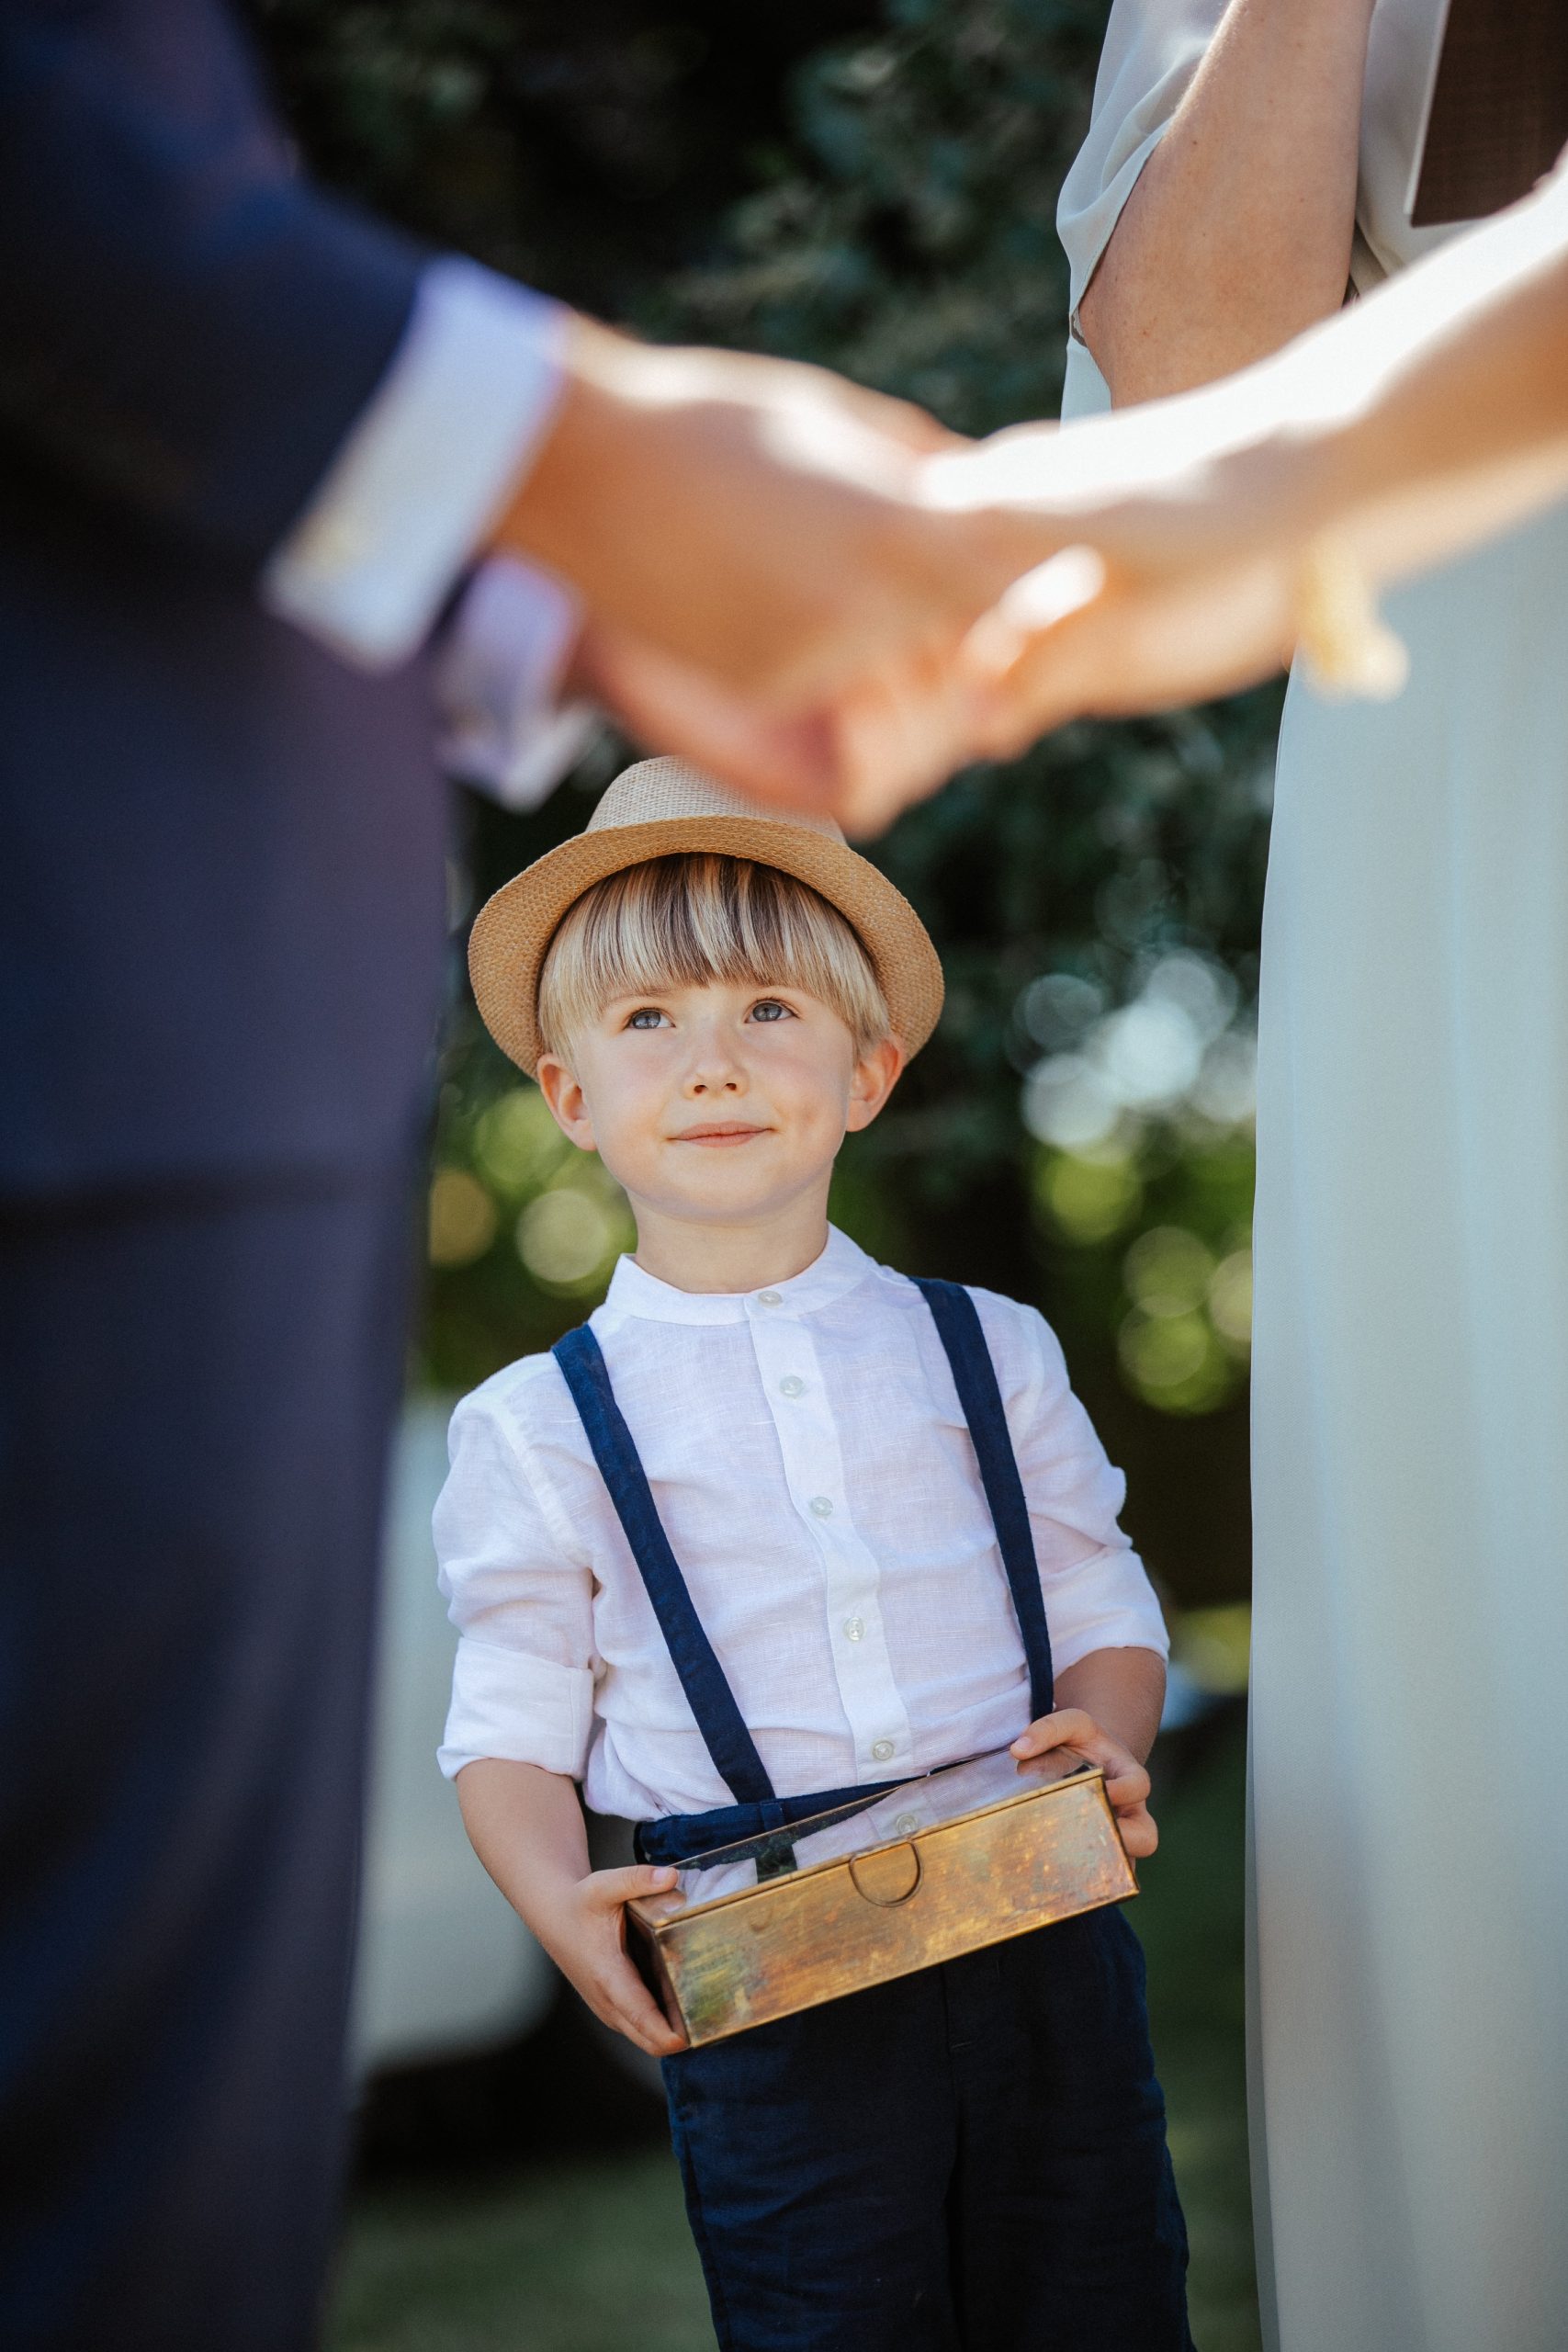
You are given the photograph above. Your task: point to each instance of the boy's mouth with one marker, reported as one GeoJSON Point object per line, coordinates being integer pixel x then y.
{"type": "Point", "coordinates": [724, 1131]}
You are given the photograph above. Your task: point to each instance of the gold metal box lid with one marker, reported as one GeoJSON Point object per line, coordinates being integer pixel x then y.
{"type": "Point", "coordinates": [937, 1867]}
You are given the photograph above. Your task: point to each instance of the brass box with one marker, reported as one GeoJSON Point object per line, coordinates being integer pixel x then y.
{"type": "Point", "coordinates": [940, 1866]}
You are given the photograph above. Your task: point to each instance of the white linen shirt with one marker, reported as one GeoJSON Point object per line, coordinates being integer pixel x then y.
{"type": "Point", "coordinates": [813, 1472]}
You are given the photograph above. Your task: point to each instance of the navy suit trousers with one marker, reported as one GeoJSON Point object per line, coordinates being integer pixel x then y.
{"type": "Point", "coordinates": [195, 1399]}
{"type": "Point", "coordinates": [971, 2159]}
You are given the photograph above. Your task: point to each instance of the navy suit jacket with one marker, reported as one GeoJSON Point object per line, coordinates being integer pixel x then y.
{"type": "Point", "coordinates": [220, 850]}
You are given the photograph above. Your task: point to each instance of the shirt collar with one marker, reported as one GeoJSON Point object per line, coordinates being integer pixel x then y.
{"type": "Point", "coordinates": [842, 1264]}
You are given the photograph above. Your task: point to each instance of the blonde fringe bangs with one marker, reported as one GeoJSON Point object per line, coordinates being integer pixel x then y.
{"type": "Point", "coordinates": [685, 921]}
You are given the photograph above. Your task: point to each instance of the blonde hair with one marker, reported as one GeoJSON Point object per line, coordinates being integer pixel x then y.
{"type": "Point", "coordinates": [685, 920]}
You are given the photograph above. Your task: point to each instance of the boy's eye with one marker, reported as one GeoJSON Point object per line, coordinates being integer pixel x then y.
{"type": "Point", "coordinates": [768, 1009]}
{"type": "Point", "coordinates": [647, 1016]}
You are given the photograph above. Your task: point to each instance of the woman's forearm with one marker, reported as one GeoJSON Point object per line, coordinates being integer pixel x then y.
{"type": "Point", "coordinates": [1435, 415]}
{"type": "Point", "coordinates": [1238, 235]}
{"type": "Point", "coordinates": [1412, 427]}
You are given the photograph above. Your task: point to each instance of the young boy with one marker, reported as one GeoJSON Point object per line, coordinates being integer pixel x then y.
{"type": "Point", "coordinates": [762, 1443]}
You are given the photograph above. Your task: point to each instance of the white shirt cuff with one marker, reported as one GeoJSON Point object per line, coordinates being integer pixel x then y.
{"type": "Point", "coordinates": [1106, 1602]}
{"type": "Point", "coordinates": [426, 467]}
{"type": "Point", "coordinates": [497, 675]}
{"type": "Point", "coordinates": [527, 1709]}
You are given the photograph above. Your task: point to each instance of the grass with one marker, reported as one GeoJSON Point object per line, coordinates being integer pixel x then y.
{"type": "Point", "coordinates": [589, 2254]}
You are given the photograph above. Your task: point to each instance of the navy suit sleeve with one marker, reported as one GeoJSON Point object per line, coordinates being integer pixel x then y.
{"type": "Point", "coordinates": [187, 327]}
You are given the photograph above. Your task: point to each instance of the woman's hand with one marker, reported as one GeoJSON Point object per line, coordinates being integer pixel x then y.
{"type": "Point", "coordinates": [1164, 552]}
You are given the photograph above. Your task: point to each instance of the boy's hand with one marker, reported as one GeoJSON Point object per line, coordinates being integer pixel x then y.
{"type": "Point", "coordinates": [1126, 1782]}
{"type": "Point", "coordinates": [583, 1928]}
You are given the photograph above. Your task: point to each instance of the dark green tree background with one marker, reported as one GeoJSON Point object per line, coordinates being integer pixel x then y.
{"type": "Point", "coordinates": [875, 189]}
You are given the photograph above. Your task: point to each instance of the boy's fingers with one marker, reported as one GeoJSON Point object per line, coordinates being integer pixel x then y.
{"type": "Point", "coordinates": [610, 1889]}
{"type": "Point", "coordinates": [1126, 1781]}
{"type": "Point", "coordinates": [1140, 1833]}
{"type": "Point", "coordinates": [1068, 1727]}
{"type": "Point", "coordinates": [630, 2008]}
{"type": "Point", "coordinates": [1049, 1731]}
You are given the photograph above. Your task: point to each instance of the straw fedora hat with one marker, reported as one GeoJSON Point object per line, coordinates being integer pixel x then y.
{"type": "Point", "coordinates": [659, 809]}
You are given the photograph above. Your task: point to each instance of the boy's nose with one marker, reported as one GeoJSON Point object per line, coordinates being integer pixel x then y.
{"type": "Point", "coordinates": [715, 1068]}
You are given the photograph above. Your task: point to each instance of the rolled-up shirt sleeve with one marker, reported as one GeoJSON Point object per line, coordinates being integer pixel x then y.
{"type": "Point", "coordinates": [521, 1597]}
{"type": "Point", "coordinates": [1097, 1594]}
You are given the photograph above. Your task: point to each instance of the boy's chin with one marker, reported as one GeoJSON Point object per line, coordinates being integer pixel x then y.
{"type": "Point", "coordinates": [730, 1204]}
{"type": "Point", "coordinates": [719, 1199]}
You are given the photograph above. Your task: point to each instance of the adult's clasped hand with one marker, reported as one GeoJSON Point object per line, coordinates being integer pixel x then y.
{"type": "Point", "coordinates": [816, 592]}
{"type": "Point", "coordinates": [772, 586]}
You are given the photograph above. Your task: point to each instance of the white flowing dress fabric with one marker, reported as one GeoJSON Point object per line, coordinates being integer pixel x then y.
{"type": "Point", "coordinates": [1409, 1960]}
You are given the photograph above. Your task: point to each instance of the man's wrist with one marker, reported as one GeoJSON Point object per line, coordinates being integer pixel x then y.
{"type": "Point", "coordinates": [550, 517]}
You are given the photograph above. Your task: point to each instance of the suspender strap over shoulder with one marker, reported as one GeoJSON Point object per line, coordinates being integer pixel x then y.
{"type": "Point", "coordinates": [712, 1701]}
{"type": "Point", "coordinates": [723, 1727]}
{"type": "Point", "coordinates": [957, 1321]}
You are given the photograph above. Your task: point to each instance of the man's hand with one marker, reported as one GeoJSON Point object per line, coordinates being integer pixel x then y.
{"type": "Point", "coordinates": [583, 1926]}
{"type": "Point", "coordinates": [1126, 1782]}
{"type": "Point", "coordinates": [766, 591]}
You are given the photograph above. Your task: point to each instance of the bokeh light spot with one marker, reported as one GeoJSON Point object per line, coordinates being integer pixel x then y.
{"type": "Point", "coordinates": [462, 1218]}
{"type": "Point", "coordinates": [1150, 1052]}
{"type": "Point", "coordinates": [1174, 1362]}
{"type": "Point", "coordinates": [566, 1240]}
{"type": "Point", "coordinates": [1167, 1271]}
{"type": "Point", "coordinates": [517, 1143]}
{"type": "Point", "coordinates": [1090, 1196]}
{"type": "Point", "coordinates": [1229, 1300]}
{"type": "Point", "coordinates": [1066, 1101]}
{"type": "Point", "coordinates": [1214, 1645]}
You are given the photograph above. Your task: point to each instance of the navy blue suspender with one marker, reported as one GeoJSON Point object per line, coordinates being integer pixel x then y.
{"type": "Point", "coordinates": [708, 1694]}
{"type": "Point", "coordinates": [957, 1320]}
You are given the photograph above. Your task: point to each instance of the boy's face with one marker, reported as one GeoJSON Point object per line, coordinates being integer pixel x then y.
{"type": "Point", "coordinates": [723, 1103]}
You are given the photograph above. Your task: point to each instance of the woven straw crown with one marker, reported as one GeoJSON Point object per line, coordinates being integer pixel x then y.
{"type": "Point", "coordinates": [659, 809]}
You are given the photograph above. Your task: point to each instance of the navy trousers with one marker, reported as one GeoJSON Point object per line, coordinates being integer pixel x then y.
{"type": "Point", "coordinates": [194, 1399]}
{"type": "Point", "coordinates": [971, 2159]}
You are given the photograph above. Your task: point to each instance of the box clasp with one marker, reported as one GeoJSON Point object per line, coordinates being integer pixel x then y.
{"type": "Point", "coordinates": [887, 1876]}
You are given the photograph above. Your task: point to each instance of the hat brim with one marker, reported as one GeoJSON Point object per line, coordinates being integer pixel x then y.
{"type": "Point", "coordinates": [513, 929]}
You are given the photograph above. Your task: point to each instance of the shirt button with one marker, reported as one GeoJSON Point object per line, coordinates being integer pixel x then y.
{"type": "Point", "coordinates": [906, 1824]}
{"type": "Point", "coordinates": [792, 1384]}
{"type": "Point", "coordinates": [822, 1507]}
{"type": "Point", "coordinates": [881, 1749]}
{"type": "Point", "coordinates": [854, 1630]}
{"type": "Point", "coordinates": [769, 1298]}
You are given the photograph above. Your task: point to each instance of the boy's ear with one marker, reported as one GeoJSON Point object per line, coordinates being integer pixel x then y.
{"type": "Point", "coordinates": [568, 1104]}
{"type": "Point", "coordinates": [876, 1075]}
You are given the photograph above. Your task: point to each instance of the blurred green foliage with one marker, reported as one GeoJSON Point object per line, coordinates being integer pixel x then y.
{"type": "Point", "coordinates": [875, 189]}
